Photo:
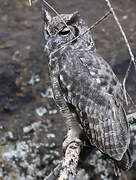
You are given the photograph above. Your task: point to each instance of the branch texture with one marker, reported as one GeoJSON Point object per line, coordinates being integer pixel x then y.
{"type": "Point", "coordinates": [70, 162]}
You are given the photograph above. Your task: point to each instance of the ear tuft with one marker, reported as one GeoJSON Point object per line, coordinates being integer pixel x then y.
{"type": "Point", "coordinates": [47, 16]}
{"type": "Point", "coordinates": [73, 18]}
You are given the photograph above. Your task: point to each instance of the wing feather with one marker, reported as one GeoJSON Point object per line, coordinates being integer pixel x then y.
{"type": "Point", "coordinates": [92, 87]}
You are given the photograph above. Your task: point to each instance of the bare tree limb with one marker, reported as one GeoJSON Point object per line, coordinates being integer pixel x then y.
{"type": "Point", "coordinates": [96, 23]}
{"type": "Point", "coordinates": [128, 46]}
{"type": "Point", "coordinates": [70, 162]}
{"type": "Point", "coordinates": [67, 169]}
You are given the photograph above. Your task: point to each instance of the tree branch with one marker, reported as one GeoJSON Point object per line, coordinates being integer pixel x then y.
{"type": "Point", "coordinates": [67, 169]}
{"type": "Point", "coordinates": [70, 162]}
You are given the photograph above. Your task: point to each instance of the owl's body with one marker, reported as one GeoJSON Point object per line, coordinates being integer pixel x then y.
{"type": "Point", "coordinates": [87, 91]}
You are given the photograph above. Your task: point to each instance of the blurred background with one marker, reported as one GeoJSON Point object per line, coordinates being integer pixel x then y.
{"type": "Point", "coordinates": [31, 129]}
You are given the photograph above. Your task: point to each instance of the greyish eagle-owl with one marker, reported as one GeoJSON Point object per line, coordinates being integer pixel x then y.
{"type": "Point", "coordinates": [86, 90]}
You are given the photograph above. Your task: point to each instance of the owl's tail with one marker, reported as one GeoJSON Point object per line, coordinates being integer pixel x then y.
{"type": "Point", "coordinates": [125, 163]}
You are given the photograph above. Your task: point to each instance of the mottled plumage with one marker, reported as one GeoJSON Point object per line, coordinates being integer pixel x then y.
{"type": "Point", "coordinates": [87, 91]}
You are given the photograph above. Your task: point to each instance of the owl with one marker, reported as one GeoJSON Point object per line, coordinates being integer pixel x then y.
{"type": "Point", "coordinates": [86, 90]}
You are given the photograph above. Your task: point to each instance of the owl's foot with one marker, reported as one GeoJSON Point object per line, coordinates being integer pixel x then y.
{"type": "Point", "coordinates": [71, 137]}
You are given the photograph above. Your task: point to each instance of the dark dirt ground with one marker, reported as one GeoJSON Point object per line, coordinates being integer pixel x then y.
{"type": "Point", "coordinates": [24, 79]}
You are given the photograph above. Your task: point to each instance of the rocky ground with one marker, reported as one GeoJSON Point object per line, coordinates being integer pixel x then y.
{"type": "Point", "coordinates": [31, 129]}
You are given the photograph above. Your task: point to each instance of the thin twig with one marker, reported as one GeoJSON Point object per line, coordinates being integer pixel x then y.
{"type": "Point", "coordinates": [124, 81]}
{"type": "Point", "coordinates": [130, 98]}
{"type": "Point", "coordinates": [89, 29]}
{"type": "Point", "coordinates": [95, 24]}
{"type": "Point", "coordinates": [128, 46]}
{"type": "Point", "coordinates": [123, 33]}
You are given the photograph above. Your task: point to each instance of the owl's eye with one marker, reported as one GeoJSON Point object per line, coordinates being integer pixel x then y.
{"type": "Point", "coordinates": [64, 31]}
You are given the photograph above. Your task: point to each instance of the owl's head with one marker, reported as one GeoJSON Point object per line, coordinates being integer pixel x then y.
{"type": "Point", "coordinates": [60, 30]}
